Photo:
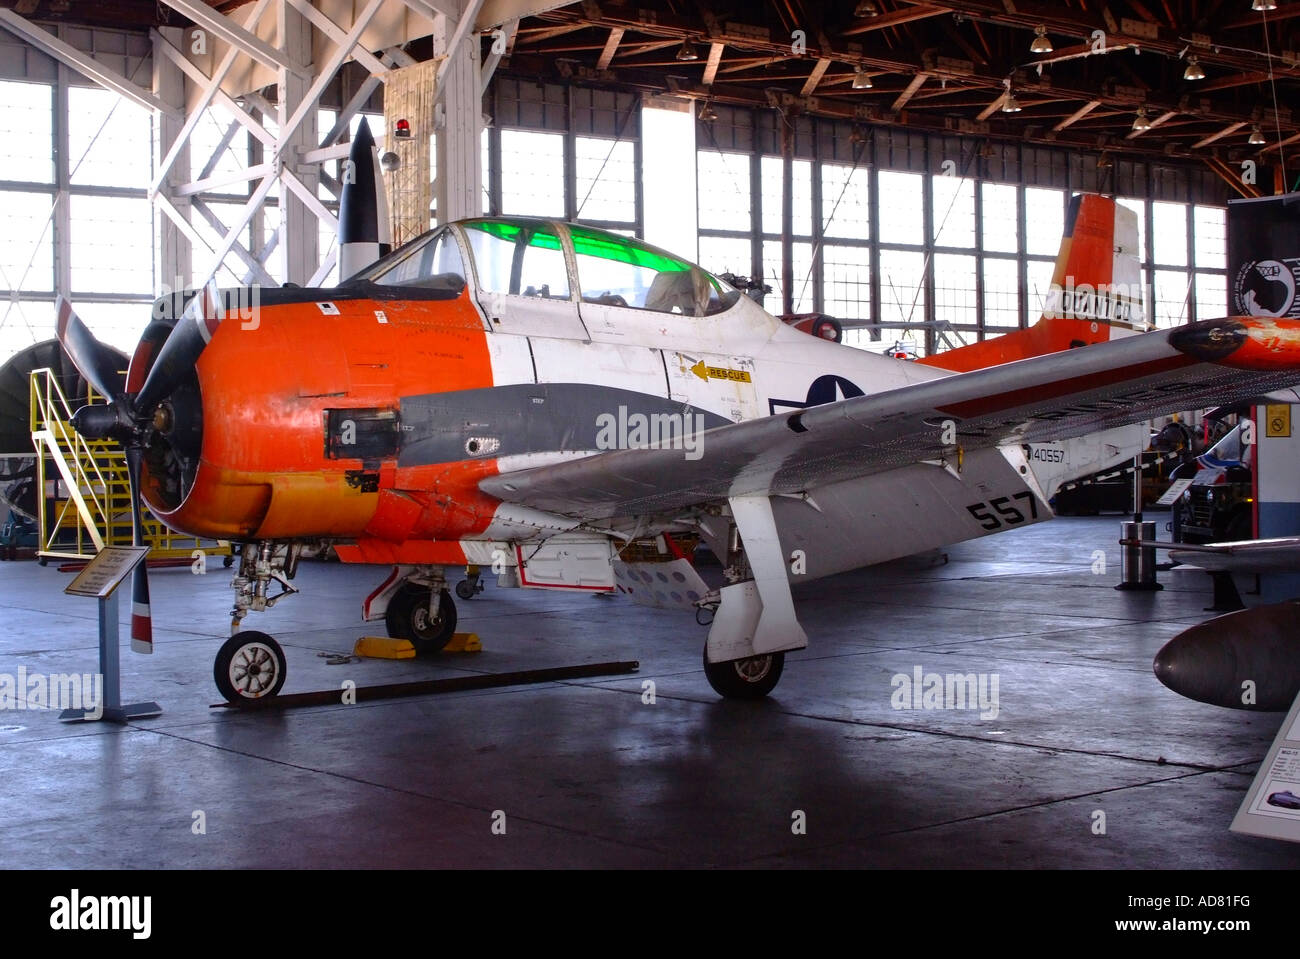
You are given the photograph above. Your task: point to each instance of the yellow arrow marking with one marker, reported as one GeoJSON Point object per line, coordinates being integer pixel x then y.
{"type": "Point", "coordinates": [706, 373]}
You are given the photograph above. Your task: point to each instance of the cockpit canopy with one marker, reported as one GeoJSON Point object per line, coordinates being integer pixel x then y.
{"type": "Point", "coordinates": [554, 261]}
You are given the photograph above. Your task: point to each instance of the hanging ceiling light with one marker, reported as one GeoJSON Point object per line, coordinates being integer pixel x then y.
{"type": "Point", "coordinates": [1010, 104]}
{"type": "Point", "coordinates": [1193, 71]}
{"type": "Point", "coordinates": [687, 52]}
{"type": "Point", "coordinates": [707, 113]}
{"type": "Point", "coordinates": [1263, 6]}
{"type": "Point", "coordinates": [1140, 122]}
{"type": "Point", "coordinates": [1256, 136]}
{"type": "Point", "coordinates": [861, 81]}
{"type": "Point", "coordinates": [1041, 44]}
{"type": "Point", "coordinates": [866, 9]}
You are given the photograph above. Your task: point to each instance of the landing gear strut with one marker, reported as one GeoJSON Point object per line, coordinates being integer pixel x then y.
{"type": "Point", "coordinates": [250, 664]}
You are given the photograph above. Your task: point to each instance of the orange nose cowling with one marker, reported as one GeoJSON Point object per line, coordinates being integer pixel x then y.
{"type": "Point", "coordinates": [267, 385]}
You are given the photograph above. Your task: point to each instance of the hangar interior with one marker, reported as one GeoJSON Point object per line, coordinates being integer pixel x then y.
{"type": "Point", "coordinates": [905, 167]}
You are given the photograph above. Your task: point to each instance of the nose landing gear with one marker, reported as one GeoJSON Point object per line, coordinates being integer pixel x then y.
{"type": "Point", "coordinates": [251, 665]}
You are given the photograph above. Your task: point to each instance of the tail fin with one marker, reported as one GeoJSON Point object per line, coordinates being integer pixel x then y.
{"type": "Point", "coordinates": [1095, 294]}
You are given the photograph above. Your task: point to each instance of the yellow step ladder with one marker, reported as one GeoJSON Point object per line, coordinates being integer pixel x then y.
{"type": "Point", "coordinates": [86, 490]}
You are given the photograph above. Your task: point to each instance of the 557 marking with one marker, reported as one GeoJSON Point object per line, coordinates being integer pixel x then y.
{"type": "Point", "coordinates": [1006, 514]}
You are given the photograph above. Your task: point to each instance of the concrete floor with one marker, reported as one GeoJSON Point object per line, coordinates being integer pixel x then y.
{"type": "Point", "coordinates": [586, 774]}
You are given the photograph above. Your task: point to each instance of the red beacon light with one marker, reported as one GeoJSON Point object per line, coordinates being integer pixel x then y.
{"type": "Point", "coordinates": [402, 129]}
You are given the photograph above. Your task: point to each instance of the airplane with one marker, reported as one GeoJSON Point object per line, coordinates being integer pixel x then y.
{"type": "Point", "coordinates": [575, 408]}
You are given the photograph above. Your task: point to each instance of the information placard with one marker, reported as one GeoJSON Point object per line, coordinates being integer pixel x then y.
{"type": "Point", "coordinates": [106, 571]}
{"type": "Point", "coordinates": [1272, 804]}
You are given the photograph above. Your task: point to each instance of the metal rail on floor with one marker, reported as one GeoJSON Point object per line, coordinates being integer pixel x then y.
{"type": "Point", "coordinates": [334, 697]}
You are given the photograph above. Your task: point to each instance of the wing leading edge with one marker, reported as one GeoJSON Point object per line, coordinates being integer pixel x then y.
{"type": "Point", "coordinates": [1053, 397]}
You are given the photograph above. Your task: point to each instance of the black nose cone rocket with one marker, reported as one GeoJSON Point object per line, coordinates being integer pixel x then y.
{"type": "Point", "coordinates": [364, 231]}
{"type": "Point", "coordinates": [1244, 660]}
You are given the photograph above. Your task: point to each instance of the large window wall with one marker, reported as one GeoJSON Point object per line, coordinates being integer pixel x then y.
{"type": "Point", "coordinates": [569, 153]}
{"type": "Point", "coordinates": [931, 240]}
{"type": "Point", "coordinates": [75, 163]}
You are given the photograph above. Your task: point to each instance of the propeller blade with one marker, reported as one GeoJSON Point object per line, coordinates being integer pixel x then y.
{"type": "Point", "coordinates": [141, 618]}
{"type": "Point", "coordinates": [95, 361]}
{"type": "Point", "coordinates": [180, 352]}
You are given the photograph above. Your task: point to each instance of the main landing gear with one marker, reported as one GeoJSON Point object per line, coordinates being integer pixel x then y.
{"type": "Point", "coordinates": [414, 614]}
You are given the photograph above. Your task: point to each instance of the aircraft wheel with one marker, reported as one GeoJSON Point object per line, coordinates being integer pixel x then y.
{"type": "Point", "coordinates": [465, 589]}
{"type": "Point", "coordinates": [408, 618]}
{"type": "Point", "coordinates": [249, 665]}
{"type": "Point", "coordinates": [751, 678]}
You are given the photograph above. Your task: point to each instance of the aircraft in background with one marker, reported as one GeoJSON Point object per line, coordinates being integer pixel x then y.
{"type": "Point", "coordinates": [574, 408]}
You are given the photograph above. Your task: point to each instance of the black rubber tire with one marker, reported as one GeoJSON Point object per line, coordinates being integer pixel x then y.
{"type": "Point", "coordinates": [408, 618]}
{"type": "Point", "coordinates": [728, 680]}
{"type": "Point", "coordinates": [465, 589]}
{"type": "Point", "coordinates": [234, 659]}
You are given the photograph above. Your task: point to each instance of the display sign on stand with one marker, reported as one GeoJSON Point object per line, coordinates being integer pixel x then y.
{"type": "Point", "coordinates": [100, 580]}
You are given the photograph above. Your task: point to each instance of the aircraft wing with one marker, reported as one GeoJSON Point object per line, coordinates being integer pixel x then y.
{"type": "Point", "coordinates": [1280, 555]}
{"type": "Point", "coordinates": [1052, 397]}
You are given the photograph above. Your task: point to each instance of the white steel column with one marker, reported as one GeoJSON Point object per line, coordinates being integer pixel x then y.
{"type": "Point", "coordinates": [458, 190]}
{"type": "Point", "coordinates": [175, 251]}
{"type": "Point", "coordinates": [299, 227]}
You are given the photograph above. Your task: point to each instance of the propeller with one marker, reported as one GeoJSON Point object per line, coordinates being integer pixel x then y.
{"type": "Point", "coordinates": [128, 417]}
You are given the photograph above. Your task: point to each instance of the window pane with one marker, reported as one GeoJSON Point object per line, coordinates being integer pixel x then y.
{"type": "Point", "coordinates": [1001, 293]}
{"type": "Point", "coordinates": [1210, 234]}
{"type": "Point", "coordinates": [954, 211]}
{"type": "Point", "coordinates": [606, 179]}
{"type": "Point", "coordinates": [902, 290]}
{"type": "Point", "coordinates": [117, 324]}
{"type": "Point", "coordinates": [801, 181]}
{"type": "Point", "coordinates": [1171, 297]}
{"type": "Point", "coordinates": [773, 194]}
{"type": "Point", "coordinates": [1169, 223]}
{"type": "Point", "coordinates": [226, 213]}
{"type": "Point", "coordinates": [26, 242]}
{"type": "Point", "coordinates": [1211, 296]}
{"type": "Point", "coordinates": [1044, 220]}
{"type": "Point", "coordinates": [1038, 275]}
{"type": "Point", "coordinates": [902, 211]}
{"type": "Point", "coordinates": [112, 245]}
{"type": "Point", "coordinates": [723, 190]}
{"type": "Point", "coordinates": [532, 173]}
{"type": "Point", "coordinates": [26, 138]}
{"type": "Point", "coordinates": [954, 289]}
{"type": "Point", "coordinates": [846, 281]}
{"type": "Point", "coordinates": [1001, 215]}
{"type": "Point", "coordinates": [801, 260]}
{"type": "Point", "coordinates": [723, 254]}
{"type": "Point", "coordinates": [846, 204]}
{"type": "Point", "coordinates": [109, 139]}
{"type": "Point", "coordinates": [207, 137]}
